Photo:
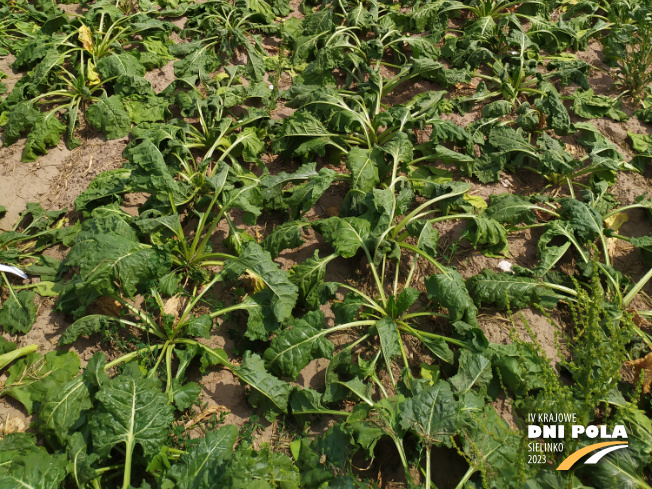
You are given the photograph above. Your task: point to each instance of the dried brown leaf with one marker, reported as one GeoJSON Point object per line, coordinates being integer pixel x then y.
{"type": "Point", "coordinates": [643, 366]}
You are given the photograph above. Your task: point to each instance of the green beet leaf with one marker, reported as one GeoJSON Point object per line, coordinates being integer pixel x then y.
{"type": "Point", "coordinates": [35, 469]}
{"type": "Point", "coordinates": [489, 234]}
{"type": "Point", "coordinates": [131, 410]}
{"type": "Point", "coordinates": [117, 64]}
{"type": "Point", "coordinates": [364, 164]}
{"type": "Point", "coordinates": [278, 296]}
{"type": "Point", "coordinates": [503, 289]}
{"type": "Point", "coordinates": [303, 197]}
{"type": "Point", "coordinates": [448, 290]}
{"type": "Point", "coordinates": [521, 368]}
{"type": "Point", "coordinates": [81, 462]}
{"type": "Point", "coordinates": [283, 237]}
{"type": "Point", "coordinates": [267, 392]}
{"type": "Point", "coordinates": [309, 279]}
{"type": "Point", "coordinates": [390, 341]}
{"type": "Point", "coordinates": [491, 445]}
{"type": "Point", "coordinates": [184, 395]}
{"type": "Point", "coordinates": [346, 235]}
{"type": "Point", "coordinates": [204, 464]}
{"type": "Point", "coordinates": [261, 470]}
{"type": "Point", "coordinates": [108, 115]}
{"type": "Point", "coordinates": [15, 444]}
{"type": "Point", "coordinates": [623, 468]}
{"type": "Point", "coordinates": [86, 326]}
{"type": "Point", "coordinates": [432, 414]}
{"type": "Point", "coordinates": [107, 252]}
{"type": "Point", "coordinates": [550, 254]}
{"type": "Point", "coordinates": [106, 186]}
{"type": "Point", "coordinates": [474, 371]}
{"type": "Point", "coordinates": [511, 209]}
{"type": "Point", "coordinates": [18, 312]}
{"type": "Point", "coordinates": [45, 133]}
{"type": "Point", "coordinates": [32, 378]}
{"type": "Point", "coordinates": [591, 106]}
{"type": "Point", "coordinates": [61, 410]}
{"type": "Point", "coordinates": [299, 344]}
{"type": "Point", "coordinates": [585, 221]}
{"type": "Point", "coordinates": [20, 118]}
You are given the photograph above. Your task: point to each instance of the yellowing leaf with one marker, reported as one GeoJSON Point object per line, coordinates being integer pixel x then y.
{"type": "Point", "coordinates": [86, 38]}
{"type": "Point", "coordinates": [91, 75]}
{"type": "Point", "coordinates": [476, 201]}
{"type": "Point", "coordinates": [614, 222]}
{"type": "Point", "coordinates": [255, 283]}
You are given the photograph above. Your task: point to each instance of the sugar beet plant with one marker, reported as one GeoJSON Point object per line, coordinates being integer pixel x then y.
{"type": "Point", "coordinates": [407, 368]}
{"type": "Point", "coordinates": [79, 67]}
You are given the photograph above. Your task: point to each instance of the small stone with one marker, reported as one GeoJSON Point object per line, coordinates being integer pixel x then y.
{"type": "Point", "coordinates": [505, 266]}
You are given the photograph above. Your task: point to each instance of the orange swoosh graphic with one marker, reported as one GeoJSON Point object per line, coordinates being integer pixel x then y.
{"type": "Point", "coordinates": [575, 456]}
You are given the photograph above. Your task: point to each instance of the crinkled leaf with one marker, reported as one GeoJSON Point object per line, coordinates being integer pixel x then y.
{"type": "Point", "coordinates": [62, 410]}
{"type": "Point", "coordinates": [36, 469]}
{"type": "Point", "coordinates": [503, 289]}
{"type": "Point", "coordinates": [303, 341]}
{"type": "Point", "coordinates": [32, 378]}
{"type": "Point", "coordinates": [556, 114]}
{"type": "Point", "coordinates": [492, 445]}
{"type": "Point", "coordinates": [488, 233]}
{"type": "Point", "coordinates": [496, 109]}
{"type": "Point", "coordinates": [200, 326]}
{"type": "Point", "coordinates": [45, 133]}
{"type": "Point", "coordinates": [302, 133]}
{"type": "Point", "coordinates": [585, 221]}
{"type": "Point", "coordinates": [279, 294]}
{"type": "Point", "coordinates": [107, 185]}
{"type": "Point", "coordinates": [116, 64]}
{"type": "Point", "coordinates": [521, 368]}
{"type": "Point", "coordinates": [303, 197]}
{"type": "Point", "coordinates": [431, 414]}
{"type": "Point", "coordinates": [398, 305]}
{"type": "Point", "coordinates": [309, 279]}
{"type": "Point", "coordinates": [131, 410]}
{"type": "Point", "coordinates": [474, 371]}
{"type": "Point", "coordinates": [591, 106]}
{"type": "Point", "coordinates": [448, 290]}
{"type": "Point", "coordinates": [511, 209]}
{"type": "Point", "coordinates": [203, 464]}
{"type": "Point", "coordinates": [261, 470]}
{"type": "Point", "coordinates": [86, 326]}
{"type": "Point", "coordinates": [18, 316]}
{"type": "Point", "coordinates": [21, 118]}
{"type": "Point", "coordinates": [150, 173]}
{"type": "Point", "coordinates": [108, 252]}
{"type": "Point", "coordinates": [346, 235]}
{"type": "Point", "coordinates": [305, 402]}
{"type": "Point", "coordinates": [283, 237]}
{"type": "Point", "coordinates": [185, 395]}
{"type": "Point", "coordinates": [266, 391]}
{"type": "Point", "coordinates": [81, 462]}
{"type": "Point", "coordinates": [108, 115]}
